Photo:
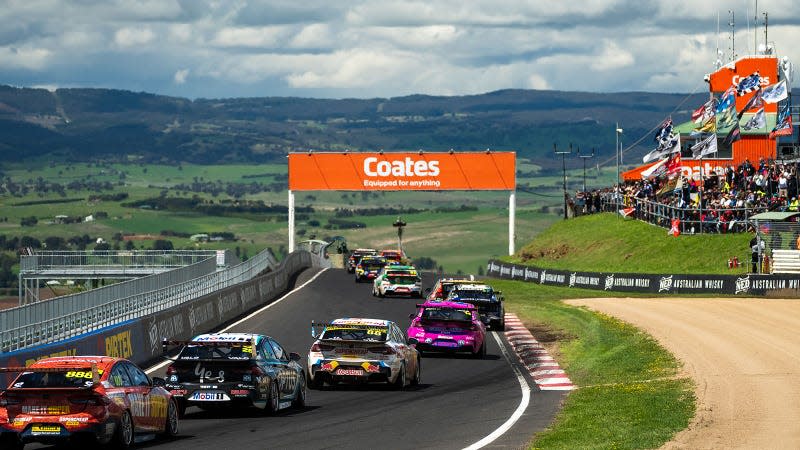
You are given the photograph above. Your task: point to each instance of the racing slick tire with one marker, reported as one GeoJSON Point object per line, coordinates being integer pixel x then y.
{"type": "Point", "coordinates": [481, 353]}
{"type": "Point", "coordinates": [316, 383]}
{"type": "Point", "coordinates": [400, 382]}
{"type": "Point", "coordinates": [171, 423]}
{"type": "Point", "coordinates": [417, 373]}
{"type": "Point", "coordinates": [273, 400]}
{"type": "Point", "coordinates": [181, 407]}
{"type": "Point", "coordinates": [300, 401]}
{"type": "Point", "coordinates": [11, 441]}
{"type": "Point", "coordinates": [124, 434]}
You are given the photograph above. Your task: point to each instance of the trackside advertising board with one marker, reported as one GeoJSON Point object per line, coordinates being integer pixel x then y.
{"type": "Point", "coordinates": [421, 171]}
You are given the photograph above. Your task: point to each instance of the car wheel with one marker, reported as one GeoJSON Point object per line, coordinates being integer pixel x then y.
{"type": "Point", "coordinates": [181, 407]}
{"type": "Point", "coordinates": [273, 401]}
{"type": "Point", "coordinates": [502, 326]}
{"type": "Point", "coordinates": [380, 293]}
{"type": "Point", "coordinates": [300, 401]}
{"type": "Point", "coordinates": [481, 353]}
{"type": "Point", "coordinates": [417, 373]}
{"type": "Point", "coordinates": [123, 438]}
{"type": "Point", "coordinates": [11, 441]}
{"type": "Point", "coordinates": [316, 383]}
{"type": "Point", "coordinates": [400, 381]}
{"type": "Point", "coordinates": [171, 425]}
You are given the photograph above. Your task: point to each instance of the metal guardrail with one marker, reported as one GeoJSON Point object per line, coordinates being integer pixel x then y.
{"type": "Point", "coordinates": [28, 326]}
{"type": "Point", "coordinates": [58, 259]}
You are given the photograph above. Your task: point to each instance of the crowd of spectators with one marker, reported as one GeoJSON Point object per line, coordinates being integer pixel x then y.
{"type": "Point", "coordinates": [721, 202]}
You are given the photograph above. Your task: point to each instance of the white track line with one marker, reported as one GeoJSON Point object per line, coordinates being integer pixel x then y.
{"type": "Point", "coordinates": [523, 404]}
{"type": "Point", "coordinates": [162, 364]}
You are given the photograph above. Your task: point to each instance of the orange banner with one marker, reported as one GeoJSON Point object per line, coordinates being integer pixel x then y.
{"type": "Point", "coordinates": [373, 171]}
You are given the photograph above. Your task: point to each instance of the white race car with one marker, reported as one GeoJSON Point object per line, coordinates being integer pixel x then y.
{"type": "Point", "coordinates": [359, 350]}
{"type": "Point", "coordinates": [397, 280]}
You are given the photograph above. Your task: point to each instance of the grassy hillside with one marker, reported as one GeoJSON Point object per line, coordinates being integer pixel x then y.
{"type": "Point", "coordinates": [609, 242]}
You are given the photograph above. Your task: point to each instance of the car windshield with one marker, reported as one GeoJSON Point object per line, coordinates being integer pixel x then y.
{"type": "Point", "coordinates": [447, 314]}
{"type": "Point", "coordinates": [473, 294]}
{"type": "Point", "coordinates": [66, 377]}
{"type": "Point", "coordinates": [354, 333]}
{"type": "Point", "coordinates": [234, 352]}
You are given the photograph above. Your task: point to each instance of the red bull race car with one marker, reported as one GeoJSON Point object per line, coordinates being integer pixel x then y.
{"type": "Point", "coordinates": [82, 400]}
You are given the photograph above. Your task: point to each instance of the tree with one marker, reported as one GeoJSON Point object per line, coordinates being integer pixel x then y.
{"type": "Point", "coordinates": [163, 244]}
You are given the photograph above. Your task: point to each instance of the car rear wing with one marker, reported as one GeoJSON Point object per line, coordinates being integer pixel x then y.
{"type": "Point", "coordinates": [80, 370]}
{"type": "Point", "coordinates": [321, 326]}
{"type": "Point", "coordinates": [167, 343]}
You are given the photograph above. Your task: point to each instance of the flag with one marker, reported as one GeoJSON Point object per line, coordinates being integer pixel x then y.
{"type": "Point", "coordinates": [705, 146]}
{"type": "Point", "coordinates": [775, 92]}
{"type": "Point", "coordinates": [665, 129]}
{"type": "Point", "coordinates": [671, 144]}
{"type": "Point", "coordinates": [674, 166]}
{"type": "Point", "coordinates": [759, 120]}
{"type": "Point", "coordinates": [783, 127]}
{"type": "Point", "coordinates": [748, 84]}
{"type": "Point", "coordinates": [705, 112]}
{"type": "Point", "coordinates": [734, 135]}
{"type": "Point", "coordinates": [626, 212]}
{"type": "Point", "coordinates": [708, 127]}
{"type": "Point", "coordinates": [756, 101]}
{"type": "Point", "coordinates": [727, 118]}
{"type": "Point", "coordinates": [727, 99]}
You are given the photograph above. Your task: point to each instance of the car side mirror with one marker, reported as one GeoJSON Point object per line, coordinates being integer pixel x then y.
{"type": "Point", "coordinates": [413, 341]}
{"type": "Point", "coordinates": [411, 316]}
{"type": "Point", "coordinates": [160, 382]}
{"type": "Point", "coordinates": [427, 291]}
{"type": "Point", "coordinates": [295, 356]}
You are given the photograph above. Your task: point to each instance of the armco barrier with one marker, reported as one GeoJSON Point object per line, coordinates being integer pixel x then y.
{"type": "Point", "coordinates": [140, 339]}
{"type": "Point", "coordinates": [742, 285]}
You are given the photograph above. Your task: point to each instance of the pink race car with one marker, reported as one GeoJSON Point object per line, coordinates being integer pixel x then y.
{"type": "Point", "coordinates": [444, 326]}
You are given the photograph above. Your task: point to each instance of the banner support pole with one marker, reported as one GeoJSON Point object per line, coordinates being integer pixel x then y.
{"type": "Point", "coordinates": [291, 221]}
{"type": "Point", "coordinates": [512, 206]}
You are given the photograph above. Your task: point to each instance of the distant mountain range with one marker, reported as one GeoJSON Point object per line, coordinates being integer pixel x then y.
{"type": "Point", "coordinates": [87, 124]}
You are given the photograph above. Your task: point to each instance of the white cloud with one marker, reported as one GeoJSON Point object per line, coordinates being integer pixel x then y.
{"type": "Point", "coordinates": [180, 76]}
{"type": "Point", "coordinates": [133, 37]}
{"type": "Point", "coordinates": [317, 35]}
{"type": "Point", "coordinates": [25, 58]}
{"type": "Point", "coordinates": [264, 37]}
{"type": "Point", "coordinates": [612, 57]}
{"type": "Point", "coordinates": [536, 81]}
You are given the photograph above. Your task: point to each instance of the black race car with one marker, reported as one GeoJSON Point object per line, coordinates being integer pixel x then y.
{"type": "Point", "coordinates": [488, 301]}
{"type": "Point", "coordinates": [235, 369]}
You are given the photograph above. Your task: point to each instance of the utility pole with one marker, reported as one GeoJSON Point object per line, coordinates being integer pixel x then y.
{"type": "Point", "coordinates": [584, 158]}
{"type": "Point", "coordinates": [564, 171]}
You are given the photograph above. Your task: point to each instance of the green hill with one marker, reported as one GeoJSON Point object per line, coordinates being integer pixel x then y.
{"type": "Point", "coordinates": [610, 243]}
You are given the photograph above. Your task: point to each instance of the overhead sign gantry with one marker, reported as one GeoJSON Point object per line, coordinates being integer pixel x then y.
{"type": "Point", "coordinates": [404, 171]}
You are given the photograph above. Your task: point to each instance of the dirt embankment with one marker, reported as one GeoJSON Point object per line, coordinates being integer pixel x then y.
{"type": "Point", "coordinates": [744, 355]}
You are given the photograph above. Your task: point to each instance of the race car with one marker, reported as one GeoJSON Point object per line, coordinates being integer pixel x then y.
{"type": "Point", "coordinates": [357, 350]}
{"type": "Point", "coordinates": [356, 256]}
{"type": "Point", "coordinates": [80, 400]}
{"type": "Point", "coordinates": [488, 301]}
{"type": "Point", "coordinates": [444, 326]}
{"type": "Point", "coordinates": [442, 288]}
{"type": "Point", "coordinates": [393, 255]}
{"type": "Point", "coordinates": [235, 369]}
{"type": "Point", "coordinates": [369, 267]}
{"type": "Point", "coordinates": [397, 280]}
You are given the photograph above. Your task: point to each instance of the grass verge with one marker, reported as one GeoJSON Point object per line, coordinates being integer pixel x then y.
{"type": "Point", "coordinates": [629, 394]}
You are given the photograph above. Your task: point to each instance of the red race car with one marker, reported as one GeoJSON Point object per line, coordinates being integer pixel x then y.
{"type": "Point", "coordinates": [85, 399]}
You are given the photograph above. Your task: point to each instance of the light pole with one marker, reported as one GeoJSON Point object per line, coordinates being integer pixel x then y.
{"type": "Point", "coordinates": [399, 224]}
{"type": "Point", "coordinates": [584, 158]}
{"type": "Point", "coordinates": [564, 171]}
{"type": "Point", "coordinates": [618, 149]}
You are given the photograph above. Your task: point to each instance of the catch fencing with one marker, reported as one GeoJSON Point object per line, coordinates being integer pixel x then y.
{"type": "Point", "coordinates": [70, 316]}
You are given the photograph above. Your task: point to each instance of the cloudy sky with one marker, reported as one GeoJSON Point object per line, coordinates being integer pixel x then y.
{"type": "Point", "coordinates": [378, 48]}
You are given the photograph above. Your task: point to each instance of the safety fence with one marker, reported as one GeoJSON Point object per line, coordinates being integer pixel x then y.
{"type": "Point", "coordinates": [139, 338]}
{"type": "Point", "coordinates": [66, 259]}
{"type": "Point", "coordinates": [70, 316]}
{"type": "Point", "coordinates": [690, 220]}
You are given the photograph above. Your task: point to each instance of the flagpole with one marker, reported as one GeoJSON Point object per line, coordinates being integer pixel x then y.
{"type": "Point", "coordinates": [700, 190]}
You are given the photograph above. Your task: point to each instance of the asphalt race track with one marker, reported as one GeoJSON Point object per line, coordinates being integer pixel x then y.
{"type": "Point", "coordinates": [459, 402]}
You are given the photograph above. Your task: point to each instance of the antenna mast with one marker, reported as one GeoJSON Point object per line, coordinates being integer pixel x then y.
{"type": "Point", "coordinates": [766, 24]}
{"type": "Point", "coordinates": [732, 24]}
{"type": "Point", "coordinates": [755, 30]}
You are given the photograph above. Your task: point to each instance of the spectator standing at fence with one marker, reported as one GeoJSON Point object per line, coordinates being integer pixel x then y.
{"type": "Point", "coordinates": [757, 249]}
